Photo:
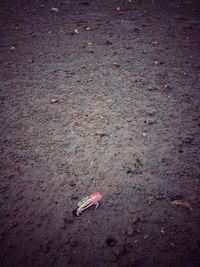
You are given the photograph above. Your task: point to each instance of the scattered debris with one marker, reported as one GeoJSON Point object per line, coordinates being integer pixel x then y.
{"type": "Point", "coordinates": [181, 203]}
{"type": "Point", "coordinates": [111, 241]}
{"type": "Point", "coordinates": [55, 9]}
{"type": "Point", "coordinates": [88, 201]}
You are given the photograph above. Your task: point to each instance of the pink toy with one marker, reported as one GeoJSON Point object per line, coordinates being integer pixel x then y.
{"type": "Point", "coordinates": [88, 201]}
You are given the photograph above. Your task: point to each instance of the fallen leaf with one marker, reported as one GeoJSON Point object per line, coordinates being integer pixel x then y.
{"type": "Point", "coordinates": [182, 203]}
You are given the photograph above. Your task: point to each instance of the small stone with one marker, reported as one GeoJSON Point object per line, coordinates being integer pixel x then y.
{"type": "Point", "coordinates": [162, 231]}
{"type": "Point", "coordinates": [15, 224]}
{"type": "Point", "coordinates": [76, 31]}
{"type": "Point", "coordinates": [54, 100]}
{"type": "Point", "coordinates": [12, 48]}
{"type": "Point", "coordinates": [136, 30]}
{"type": "Point", "coordinates": [69, 218]}
{"type": "Point", "coordinates": [54, 9]}
{"type": "Point", "coordinates": [72, 184]}
{"type": "Point", "coordinates": [101, 133]}
{"type": "Point", "coordinates": [116, 65]}
{"type": "Point", "coordinates": [150, 121]}
{"type": "Point", "coordinates": [188, 140]}
{"type": "Point", "coordinates": [151, 88]}
{"type": "Point", "coordinates": [150, 111]}
{"type": "Point", "coordinates": [30, 60]}
{"type": "Point", "coordinates": [108, 42]}
{"type": "Point", "coordinates": [155, 43]}
{"type": "Point", "coordinates": [136, 220]}
{"type": "Point", "coordinates": [167, 87]}
{"type": "Point", "coordinates": [90, 51]}
{"type": "Point", "coordinates": [129, 231]}
{"type": "Point", "coordinates": [88, 29]}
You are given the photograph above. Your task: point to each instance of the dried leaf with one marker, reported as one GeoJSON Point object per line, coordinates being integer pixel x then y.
{"type": "Point", "coordinates": [182, 203]}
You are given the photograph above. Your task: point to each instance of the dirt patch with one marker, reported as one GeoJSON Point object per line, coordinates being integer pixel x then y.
{"type": "Point", "coordinates": [100, 96]}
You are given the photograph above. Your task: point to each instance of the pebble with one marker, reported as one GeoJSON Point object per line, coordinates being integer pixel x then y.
{"type": "Point", "coordinates": [156, 43]}
{"type": "Point", "coordinates": [116, 65]}
{"type": "Point", "coordinates": [101, 133]}
{"type": "Point", "coordinates": [108, 42]}
{"type": "Point", "coordinates": [72, 183]}
{"type": "Point", "coordinates": [54, 100]}
{"type": "Point", "coordinates": [188, 140]}
{"type": "Point", "coordinates": [151, 88]}
{"type": "Point", "coordinates": [69, 218]}
{"type": "Point", "coordinates": [150, 111]}
{"type": "Point", "coordinates": [167, 87]}
{"type": "Point", "coordinates": [55, 9]}
{"type": "Point", "coordinates": [150, 121]}
{"type": "Point", "coordinates": [129, 231]}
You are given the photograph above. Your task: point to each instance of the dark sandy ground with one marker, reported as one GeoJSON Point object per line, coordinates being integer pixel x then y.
{"type": "Point", "coordinates": [126, 124]}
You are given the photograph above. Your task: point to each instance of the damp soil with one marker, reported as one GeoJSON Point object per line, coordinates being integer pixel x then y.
{"type": "Point", "coordinates": [100, 96]}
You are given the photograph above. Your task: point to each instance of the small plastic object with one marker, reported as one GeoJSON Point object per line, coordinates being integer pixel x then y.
{"type": "Point", "coordinates": [88, 201]}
